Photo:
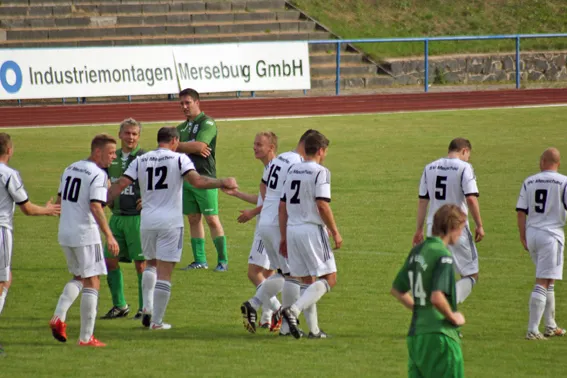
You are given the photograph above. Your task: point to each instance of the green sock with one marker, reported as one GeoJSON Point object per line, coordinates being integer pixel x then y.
{"type": "Point", "coordinates": [198, 246]}
{"type": "Point", "coordinates": [116, 285]}
{"type": "Point", "coordinates": [140, 297]}
{"type": "Point", "coordinates": [220, 245]}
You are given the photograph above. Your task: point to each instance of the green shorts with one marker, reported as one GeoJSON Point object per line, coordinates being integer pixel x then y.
{"type": "Point", "coordinates": [200, 201]}
{"type": "Point", "coordinates": [434, 355]}
{"type": "Point", "coordinates": [126, 231]}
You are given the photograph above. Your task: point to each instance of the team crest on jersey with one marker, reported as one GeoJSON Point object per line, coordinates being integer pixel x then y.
{"type": "Point", "coordinates": [195, 128]}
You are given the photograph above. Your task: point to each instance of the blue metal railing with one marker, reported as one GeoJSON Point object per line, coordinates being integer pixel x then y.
{"type": "Point", "coordinates": [426, 40]}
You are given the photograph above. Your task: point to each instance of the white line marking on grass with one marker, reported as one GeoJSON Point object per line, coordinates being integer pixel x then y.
{"type": "Point", "coordinates": [302, 116]}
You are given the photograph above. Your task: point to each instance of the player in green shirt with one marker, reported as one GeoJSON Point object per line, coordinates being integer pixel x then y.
{"type": "Point", "coordinates": [198, 139]}
{"type": "Point", "coordinates": [426, 285]}
{"type": "Point", "coordinates": [125, 223]}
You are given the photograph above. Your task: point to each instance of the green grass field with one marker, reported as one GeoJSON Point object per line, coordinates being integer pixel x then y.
{"type": "Point", "coordinates": [376, 162]}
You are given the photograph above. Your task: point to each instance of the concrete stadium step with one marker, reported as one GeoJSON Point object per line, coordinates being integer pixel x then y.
{"type": "Point", "coordinates": [322, 58]}
{"type": "Point", "coordinates": [164, 39]}
{"type": "Point", "coordinates": [346, 69]}
{"type": "Point", "coordinates": [352, 81]}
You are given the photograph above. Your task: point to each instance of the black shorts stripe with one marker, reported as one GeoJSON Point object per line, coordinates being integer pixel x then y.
{"type": "Point", "coordinates": [260, 247]}
{"type": "Point", "coordinates": [559, 253]}
{"type": "Point", "coordinates": [471, 244]}
{"type": "Point", "coordinates": [5, 247]}
{"type": "Point", "coordinates": [327, 253]}
{"type": "Point", "coordinates": [98, 254]}
{"type": "Point", "coordinates": [180, 241]}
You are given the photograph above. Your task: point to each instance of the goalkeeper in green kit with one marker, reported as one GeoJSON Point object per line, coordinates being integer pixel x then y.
{"type": "Point", "coordinates": [426, 285]}
{"type": "Point", "coordinates": [125, 223]}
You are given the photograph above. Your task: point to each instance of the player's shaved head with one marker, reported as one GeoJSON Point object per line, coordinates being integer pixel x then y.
{"type": "Point", "coordinates": [101, 140]}
{"type": "Point", "coordinates": [167, 134]}
{"type": "Point", "coordinates": [5, 143]}
{"type": "Point", "coordinates": [458, 144]}
{"type": "Point", "coordinates": [550, 159]}
{"type": "Point", "coordinates": [448, 218]}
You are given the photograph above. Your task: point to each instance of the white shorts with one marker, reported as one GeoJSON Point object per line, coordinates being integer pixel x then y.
{"type": "Point", "coordinates": [309, 251]}
{"type": "Point", "coordinates": [6, 243]}
{"type": "Point", "coordinates": [547, 254]}
{"type": "Point", "coordinates": [271, 238]}
{"type": "Point", "coordinates": [258, 255]}
{"type": "Point", "coordinates": [85, 261]}
{"type": "Point", "coordinates": [464, 253]}
{"type": "Point", "coordinates": [163, 245]}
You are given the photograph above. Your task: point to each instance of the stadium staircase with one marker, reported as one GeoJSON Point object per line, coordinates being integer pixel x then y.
{"type": "Point", "coordinates": [65, 23]}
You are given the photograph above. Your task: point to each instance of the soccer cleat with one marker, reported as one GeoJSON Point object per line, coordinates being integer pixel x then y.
{"type": "Point", "coordinates": [195, 265]}
{"type": "Point", "coordinates": [550, 332]}
{"type": "Point", "coordinates": [58, 329]}
{"type": "Point", "coordinates": [146, 319]}
{"type": "Point", "coordinates": [92, 343]}
{"type": "Point", "coordinates": [248, 317]}
{"type": "Point", "coordinates": [291, 320]}
{"type": "Point", "coordinates": [138, 315]}
{"type": "Point", "coordinates": [320, 335]}
{"type": "Point", "coordinates": [157, 327]}
{"type": "Point", "coordinates": [535, 336]}
{"type": "Point", "coordinates": [276, 322]}
{"type": "Point", "coordinates": [221, 267]}
{"type": "Point", "coordinates": [117, 312]}
{"type": "Point", "coordinates": [289, 334]}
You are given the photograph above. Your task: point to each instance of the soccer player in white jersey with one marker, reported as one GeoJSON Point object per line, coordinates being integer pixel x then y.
{"type": "Point", "coordinates": [265, 148]}
{"type": "Point", "coordinates": [451, 180]}
{"type": "Point", "coordinates": [306, 219]}
{"type": "Point", "coordinates": [268, 229]}
{"type": "Point", "coordinates": [12, 193]}
{"type": "Point", "coordinates": [82, 194]}
{"type": "Point", "coordinates": [161, 173]}
{"type": "Point", "coordinates": [543, 201]}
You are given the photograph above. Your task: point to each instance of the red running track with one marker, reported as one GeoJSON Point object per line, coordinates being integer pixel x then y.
{"type": "Point", "coordinates": [252, 107]}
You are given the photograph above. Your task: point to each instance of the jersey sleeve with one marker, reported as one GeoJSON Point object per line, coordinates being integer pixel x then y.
{"type": "Point", "coordinates": [423, 192]}
{"type": "Point", "coordinates": [132, 170]}
{"type": "Point", "coordinates": [207, 132]}
{"type": "Point", "coordinates": [443, 275]}
{"type": "Point", "coordinates": [16, 189]}
{"type": "Point", "coordinates": [99, 188]}
{"type": "Point", "coordinates": [401, 282]}
{"type": "Point", "coordinates": [323, 185]}
{"type": "Point", "coordinates": [468, 181]}
{"type": "Point", "coordinates": [522, 204]}
{"type": "Point", "coordinates": [185, 164]}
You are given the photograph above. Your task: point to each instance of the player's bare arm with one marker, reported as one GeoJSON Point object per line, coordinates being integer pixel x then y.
{"type": "Point", "coordinates": [98, 214]}
{"type": "Point", "coordinates": [246, 197]}
{"type": "Point", "coordinates": [204, 182]}
{"type": "Point", "coordinates": [522, 228]}
{"type": "Point", "coordinates": [440, 302]}
{"type": "Point", "coordinates": [117, 188]}
{"type": "Point", "coordinates": [329, 220]}
{"type": "Point", "coordinates": [282, 215]}
{"type": "Point", "coordinates": [29, 208]}
{"type": "Point", "coordinates": [404, 298]}
{"type": "Point", "coordinates": [195, 148]}
{"type": "Point", "coordinates": [474, 207]}
{"type": "Point", "coordinates": [421, 213]}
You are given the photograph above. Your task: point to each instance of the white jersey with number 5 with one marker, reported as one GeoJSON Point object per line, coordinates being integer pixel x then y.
{"type": "Point", "coordinates": [306, 183]}
{"type": "Point", "coordinates": [82, 182]}
{"type": "Point", "coordinates": [543, 197]}
{"type": "Point", "coordinates": [447, 181]}
{"type": "Point", "coordinates": [160, 174]}
{"type": "Point", "coordinates": [274, 178]}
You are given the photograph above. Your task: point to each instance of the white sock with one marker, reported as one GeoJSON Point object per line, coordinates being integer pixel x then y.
{"type": "Point", "coordinates": [70, 293]}
{"type": "Point", "coordinates": [3, 298]}
{"type": "Point", "coordinates": [267, 311]}
{"type": "Point", "coordinates": [310, 296]}
{"type": "Point", "coordinates": [464, 287]}
{"type": "Point", "coordinates": [310, 314]}
{"type": "Point", "coordinates": [290, 294]}
{"type": "Point", "coordinates": [549, 312]}
{"type": "Point", "coordinates": [149, 278]}
{"type": "Point", "coordinates": [89, 301]}
{"type": "Point", "coordinates": [161, 299]}
{"type": "Point", "coordinates": [537, 307]}
{"type": "Point", "coordinates": [266, 290]}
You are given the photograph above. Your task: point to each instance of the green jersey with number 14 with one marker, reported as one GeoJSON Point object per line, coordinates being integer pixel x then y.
{"type": "Point", "coordinates": [429, 268]}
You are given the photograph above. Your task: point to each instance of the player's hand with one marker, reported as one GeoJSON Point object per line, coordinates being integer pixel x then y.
{"type": "Point", "coordinates": [52, 209]}
{"type": "Point", "coordinates": [139, 204]}
{"type": "Point", "coordinates": [112, 245]}
{"type": "Point", "coordinates": [283, 248]}
{"type": "Point", "coordinates": [338, 240]}
{"type": "Point", "coordinates": [478, 234]}
{"type": "Point", "coordinates": [205, 151]}
{"type": "Point", "coordinates": [229, 183]}
{"type": "Point", "coordinates": [417, 238]}
{"type": "Point", "coordinates": [245, 216]}
{"type": "Point", "coordinates": [230, 192]}
{"type": "Point", "coordinates": [524, 243]}
{"type": "Point", "coordinates": [458, 319]}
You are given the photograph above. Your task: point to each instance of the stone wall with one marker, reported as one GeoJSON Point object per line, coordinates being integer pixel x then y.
{"type": "Point", "coordinates": [480, 68]}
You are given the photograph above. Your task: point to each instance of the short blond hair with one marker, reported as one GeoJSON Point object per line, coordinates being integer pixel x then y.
{"type": "Point", "coordinates": [448, 218]}
{"type": "Point", "coordinates": [272, 138]}
{"type": "Point", "coordinates": [130, 122]}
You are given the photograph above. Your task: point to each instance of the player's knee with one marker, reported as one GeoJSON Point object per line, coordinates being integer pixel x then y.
{"type": "Point", "coordinates": [112, 264]}
{"type": "Point", "coordinates": [213, 221]}
{"type": "Point", "coordinates": [475, 277]}
{"type": "Point", "coordinates": [194, 219]}
{"type": "Point", "coordinates": [140, 266]}
{"type": "Point", "coordinates": [331, 280]}
{"type": "Point", "coordinates": [255, 275]}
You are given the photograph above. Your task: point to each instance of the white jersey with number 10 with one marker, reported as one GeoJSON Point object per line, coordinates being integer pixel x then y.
{"type": "Point", "coordinates": [160, 174]}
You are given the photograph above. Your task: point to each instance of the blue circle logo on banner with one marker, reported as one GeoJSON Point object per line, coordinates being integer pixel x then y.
{"type": "Point", "coordinates": [6, 67]}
